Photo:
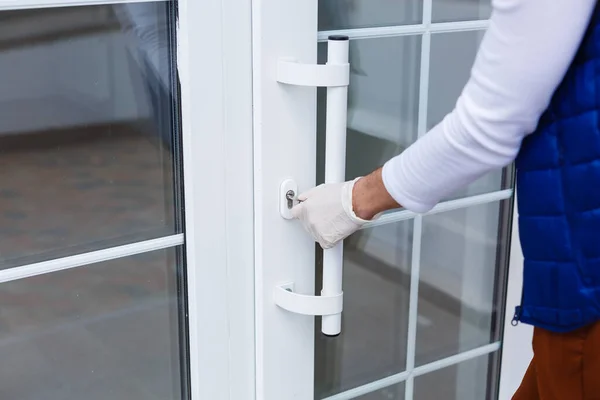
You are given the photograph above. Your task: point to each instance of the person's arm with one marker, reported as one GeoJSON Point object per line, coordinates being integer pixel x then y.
{"type": "Point", "coordinates": [522, 59]}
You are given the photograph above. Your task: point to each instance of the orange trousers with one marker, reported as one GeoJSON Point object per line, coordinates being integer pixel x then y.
{"type": "Point", "coordinates": [565, 366]}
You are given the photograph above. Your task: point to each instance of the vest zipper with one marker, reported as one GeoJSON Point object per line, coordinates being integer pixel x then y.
{"type": "Point", "coordinates": [519, 309]}
{"type": "Point", "coordinates": [517, 317]}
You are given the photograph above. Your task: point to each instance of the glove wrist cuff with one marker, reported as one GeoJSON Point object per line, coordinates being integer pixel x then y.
{"type": "Point", "coordinates": [347, 202]}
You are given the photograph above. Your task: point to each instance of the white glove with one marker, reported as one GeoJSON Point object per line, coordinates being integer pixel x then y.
{"type": "Point", "coordinates": [326, 213]}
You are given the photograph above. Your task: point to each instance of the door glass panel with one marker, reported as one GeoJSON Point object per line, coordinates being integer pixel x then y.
{"type": "Point", "coordinates": [382, 105]}
{"type": "Point", "coordinates": [459, 300]}
{"type": "Point", "coordinates": [461, 10]}
{"type": "Point", "coordinates": [103, 331]}
{"type": "Point", "coordinates": [469, 380]}
{"type": "Point", "coordinates": [345, 14]}
{"type": "Point", "coordinates": [452, 56]}
{"type": "Point", "coordinates": [463, 252]}
{"type": "Point", "coordinates": [88, 132]}
{"type": "Point", "coordinates": [372, 344]}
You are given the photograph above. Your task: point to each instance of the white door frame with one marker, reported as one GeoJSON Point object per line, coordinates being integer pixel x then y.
{"type": "Point", "coordinates": [215, 55]}
{"type": "Point", "coordinates": [284, 147]}
{"type": "Point", "coordinates": [284, 130]}
{"type": "Point", "coordinates": [230, 24]}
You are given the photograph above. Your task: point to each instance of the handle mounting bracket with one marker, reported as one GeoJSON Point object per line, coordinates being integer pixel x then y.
{"type": "Point", "coordinates": [285, 297]}
{"type": "Point", "coordinates": [314, 75]}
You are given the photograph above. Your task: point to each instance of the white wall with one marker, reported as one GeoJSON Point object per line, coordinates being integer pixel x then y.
{"type": "Point", "coordinates": [517, 351]}
{"type": "Point", "coordinates": [70, 82]}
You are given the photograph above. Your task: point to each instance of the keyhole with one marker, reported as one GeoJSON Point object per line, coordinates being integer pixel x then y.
{"type": "Point", "coordinates": [290, 195]}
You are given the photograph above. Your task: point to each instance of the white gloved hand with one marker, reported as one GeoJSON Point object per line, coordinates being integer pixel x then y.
{"type": "Point", "coordinates": [326, 213]}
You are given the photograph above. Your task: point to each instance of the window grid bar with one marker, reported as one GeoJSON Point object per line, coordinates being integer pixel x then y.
{"type": "Point", "coordinates": [80, 260]}
{"type": "Point", "coordinates": [427, 12]}
{"type": "Point", "coordinates": [404, 30]}
{"type": "Point", "coordinates": [415, 270]}
{"type": "Point", "coordinates": [418, 371]}
{"type": "Point", "coordinates": [445, 206]}
{"type": "Point", "coordinates": [457, 359]}
{"type": "Point", "coordinates": [413, 305]}
{"type": "Point", "coordinates": [6, 5]}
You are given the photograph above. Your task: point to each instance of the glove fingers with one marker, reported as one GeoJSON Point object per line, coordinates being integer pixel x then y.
{"type": "Point", "coordinates": [305, 195]}
{"type": "Point", "coordinates": [298, 210]}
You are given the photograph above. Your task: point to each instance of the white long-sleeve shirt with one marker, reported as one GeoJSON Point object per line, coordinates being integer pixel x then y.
{"type": "Point", "coordinates": [522, 59]}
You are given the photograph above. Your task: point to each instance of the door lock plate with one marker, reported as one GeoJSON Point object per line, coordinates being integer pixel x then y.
{"type": "Point", "coordinates": [288, 197]}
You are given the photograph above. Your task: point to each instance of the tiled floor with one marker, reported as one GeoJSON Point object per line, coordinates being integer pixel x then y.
{"type": "Point", "coordinates": [103, 331]}
{"type": "Point", "coordinates": [68, 196]}
{"type": "Point", "coordinates": [125, 357]}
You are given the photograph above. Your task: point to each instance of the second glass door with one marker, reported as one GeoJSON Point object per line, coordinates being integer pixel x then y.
{"type": "Point", "coordinates": [92, 255]}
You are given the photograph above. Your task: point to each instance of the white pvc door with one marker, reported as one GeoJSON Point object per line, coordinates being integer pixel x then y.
{"type": "Point", "coordinates": [423, 295]}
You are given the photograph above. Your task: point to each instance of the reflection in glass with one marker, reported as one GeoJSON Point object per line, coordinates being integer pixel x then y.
{"type": "Point", "coordinates": [461, 10]}
{"type": "Point", "coordinates": [452, 56]}
{"type": "Point", "coordinates": [372, 344]}
{"type": "Point", "coordinates": [382, 105]}
{"type": "Point", "coordinates": [459, 300]}
{"type": "Point", "coordinates": [469, 380]}
{"type": "Point", "coordinates": [89, 153]}
{"type": "Point", "coordinates": [349, 14]}
{"type": "Point", "coordinates": [103, 331]}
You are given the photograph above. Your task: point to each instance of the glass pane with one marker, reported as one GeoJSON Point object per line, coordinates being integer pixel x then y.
{"type": "Point", "coordinates": [102, 331]}
{"type": "Point", "coordinates": [452, 56]}
{"type": "Point", "coordinates": [469, 380]}
{"type": "Point", "coordinates": [89, 152]}
{"type": "Point", "coordinates": [462, 270]}
{"type": "Point", "coordinates": [347, 14]}
{"type": "Point", "coordinates": [461, 10]}
{"type": "Point", "coordinates": [395, 392]}
{"type": "Point", "coordinates": [372, 344]}
{"type": "Point", "coordinates": [382, 105]}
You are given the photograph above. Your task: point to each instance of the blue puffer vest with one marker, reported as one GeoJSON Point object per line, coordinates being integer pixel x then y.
{"type": "Point", "coordinates": [558, 193]}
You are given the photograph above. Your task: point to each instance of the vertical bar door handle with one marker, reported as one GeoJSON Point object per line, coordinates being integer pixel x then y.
{"type": "Point", "coordinates": [335, 172]}
{"type": "Point", "coordinates": [335, 76]}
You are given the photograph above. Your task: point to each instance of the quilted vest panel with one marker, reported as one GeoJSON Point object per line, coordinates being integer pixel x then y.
{"type": "Point", "coordinates": [558, 194]}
